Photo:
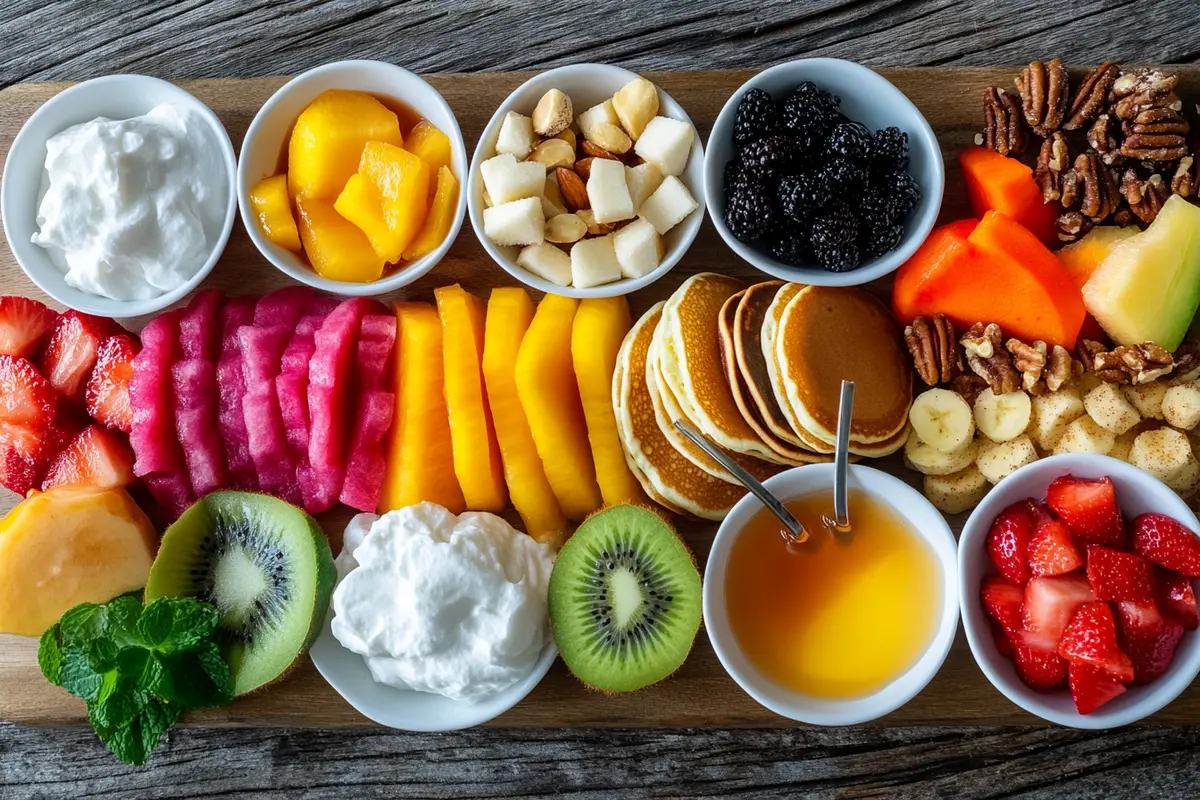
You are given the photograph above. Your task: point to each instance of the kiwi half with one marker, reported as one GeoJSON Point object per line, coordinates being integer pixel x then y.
{"type": "Point", "coordinates": [624, 599]}
{"type": "Point", "coordinates": [264, 564]}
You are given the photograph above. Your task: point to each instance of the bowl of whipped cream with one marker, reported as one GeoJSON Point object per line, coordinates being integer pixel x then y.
{"type": "Point", "coordinates": [439, 621]}
{"type": "Point", "coordinates": [118, 195]}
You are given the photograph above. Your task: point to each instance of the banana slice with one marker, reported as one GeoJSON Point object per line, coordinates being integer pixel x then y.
{"type": "Point", "coordinates": [942, 420]}
{"type": "Point", "coordinates": [1181, 406]}
{"type": "Point", "coordinates": [1052, 413]}
{"type": "Point", "coordinates": [1164, 453]}
{"type": "Point", "coordinates": [1002, 418]}
{"type": "Point", "coordinates": [956, 493]}
{"type": "Point", "coordinates": [998, 461]}
{"type": "Point", "coordinates": [1110, 409]}
{"type": "Point", "coordinates": [1085, 436]}
{"type": "Point", "coordinates": [928, 460]}
{"type": "Point", "coordinates": [1147, 398]}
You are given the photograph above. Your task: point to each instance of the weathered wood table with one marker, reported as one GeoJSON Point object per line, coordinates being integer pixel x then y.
{"type": "Point", "coordinates": [42, 41]}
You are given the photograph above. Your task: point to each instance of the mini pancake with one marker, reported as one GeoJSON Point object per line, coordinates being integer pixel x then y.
{"type": "Point", "coordinates": [830, 334]}
{"type": "Point", "coordinates": [689, 352]}
{"type": "Point", "coordinates": [668, 473]}
{"type": "Point", "coordinates": [770, 324]}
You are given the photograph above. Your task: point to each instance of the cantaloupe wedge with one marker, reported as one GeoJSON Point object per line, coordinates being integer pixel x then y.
{"type": "Point", "coordinates": [596, 336]}
{"type": "Point", "coordinates": [550, 397]}
{"type": "Point", "coordinates": [509, 313]}
{"type": "Point", "coordinates": [420, 464]}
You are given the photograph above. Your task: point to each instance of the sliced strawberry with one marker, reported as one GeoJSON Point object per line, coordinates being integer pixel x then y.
{"type": "Point", "coordinates": [24, 453]}
{"type": "Point", "coordinates": [1088, 508]}
{"type": "Point", "coordinates": [1003, 602]}
{"type": "Point", "coordinates": [26, 398]}
{"type": "Point", "coordinates": [1120, 576]}
{"type": "Point", "coordinates": [1041, 670]}
{"type": "Point", "coordinates": [1167, 543]}
{"type": "Point", "coordinates": [1003, 645]}
{"type": "Point", "coordinates": [23, 325]}
{"type": "Point", "coordinates": [1148, 637]}
{"type": "Point", "coordinates": [1051, 602]}
{"type": "Point", "coordinates": [1039, 512]}
{"type": "Point", "coordinates": [107, 394]}
{"type": "Point", "coordinates": [71, 352]}
{"type": "Point", "coordinates": [1052, 551]}
{"type": "Point", "coordinates": [96, 457]}
{"type": "Point", "coordinates": [1091, 687]}
{"type": "Point", "coordinates": [1179, 600]}
{"type": "Point", "coordinates": [1008, 541]}
{"type": "Point", "coordinates": [1092, 638]}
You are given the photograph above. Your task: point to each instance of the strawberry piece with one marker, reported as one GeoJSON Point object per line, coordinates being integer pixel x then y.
{"type": "Point", "coordinates": [1052, 551]}
{"type": "Point", "coordinates": [25, 452]}
{"type": "Point", "coordinates": [1088, 508]}
{"type": "Point", "coordinates": [1167, 543]}
{"type": "Point", "coordinates": [1008, 541]}
{"type": "Point", "coordinates": [26, 398]}
{"type": "Point", "coordinates": [96, 457]}
{"type": "Point", "coordinates": [1003, 645]}
{"type": "Point", "coordinates": [1091, 687]}
{"type": "Point", "coordinates": [1039, 512]}
{"type": "Point", "coordinates": [1091, 637]}
{"type": "Point", "coordinates": [1179, 600]}
{"type": "Point", "coordinates": [1148, 637]}
{"type": "Point", "coordinates": [1051, 602]}
{"type": "Point", "coordinates": [1002, 600]}
{"type": "Point", "coordinates": [23, 325]}
{"type": "Point", "coordinates": [71, 351]}
{"type": "Point", "coordinates": [107, 393]}
{"type": "Point", "coordinates": [1120, 576]}
{"type": "Point", "coordinates": [1040, 669]}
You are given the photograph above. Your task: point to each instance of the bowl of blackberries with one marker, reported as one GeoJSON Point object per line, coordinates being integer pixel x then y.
{"type": "Point", "coordinates": [822, 172]}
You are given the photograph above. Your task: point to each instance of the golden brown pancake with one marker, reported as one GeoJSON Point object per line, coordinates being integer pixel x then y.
{"type": "Point", "coordinates": [770, 325]}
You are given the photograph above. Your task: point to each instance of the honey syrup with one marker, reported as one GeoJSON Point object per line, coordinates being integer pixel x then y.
{"type": "Point", "coordinates": [837, 617]}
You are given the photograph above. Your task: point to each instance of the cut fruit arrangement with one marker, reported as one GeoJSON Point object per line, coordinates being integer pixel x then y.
{"type": "Point", "coordinates": [1077, 601]}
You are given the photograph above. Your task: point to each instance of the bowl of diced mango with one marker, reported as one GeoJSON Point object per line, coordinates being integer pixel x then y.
{"type": "Point", "coordinates": [349, 178]}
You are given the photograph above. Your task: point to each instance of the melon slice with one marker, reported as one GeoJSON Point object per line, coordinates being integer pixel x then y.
{"type": "Point", "coordinates": [196, 412]}
{"type": "Point", "coordinates": [291, 389]}
{"type": "Point", "coordinates": [171, 490]}
{"type": "Point", "coordinates": [262, 353]}
{"type": "Point", "coordinates": [283, 307]}
{"type": "Point", "coordinates": [231, 386]}
{"type": "Point", "coordinates": [365, 465]}
{"type": "Point", "coordinates": [200, 327]}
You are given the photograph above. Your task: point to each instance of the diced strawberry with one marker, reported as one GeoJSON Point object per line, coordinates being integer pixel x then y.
{"type": "Point", "coordinates": [1051, 602]}
{"type": "Point", "coordinates": [1091, 637]}
{"type": "Point", "coordinates": [70, 352]}
{"type": "Point", "coordinates": [1002, 600]}
{"type": "Point", "coordinates": [1088, 508]}
{"type": "Point", "coordinates": [25, 452]}
{"type": "Point", "coordinates": [1179, 600]}
{"type": "Point", "coordinates": [1003, 645]}
{"type": "Point", "coordinates": [107, 394]}
{"type": "Point", "coordinates": [26, 398]}
{"type": "Point", "coordinates": [96, 457]}
{"type": "Point", "coordinates": [1167, 543]}
{"type": "Point", "coordinates": [1039, 512]}
{"type": "Point", "coordinates": [200, 327]}
{"type": "Point", "coordinates": [1040, 670]}
{"type": "Point", "coordinates": [1008, 541]}
{"type": "Point", "coordinates": [1148, 637]}
{"type": "Point", "coordinates": [1119, 576]}
{"type": "Point", "coordinates": [23, 324]}
{"type": "Point", "coordinates": [1052, 551]}
{"type": "Point", "coordinates": [1091, 687]}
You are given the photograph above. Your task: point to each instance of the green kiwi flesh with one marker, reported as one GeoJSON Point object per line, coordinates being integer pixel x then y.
{"type": "Point", "coordinates": [264, 564]}
{"type": "Point", "coordinates": [625, 600]}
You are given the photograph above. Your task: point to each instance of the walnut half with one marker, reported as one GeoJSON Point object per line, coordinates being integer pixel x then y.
{"type": "Point", "coordinates": [987, 358]}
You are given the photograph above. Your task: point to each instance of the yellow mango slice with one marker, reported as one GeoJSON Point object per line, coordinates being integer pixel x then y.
{"type": "Point", "coordinates": [361, 205]}
{"type": "Point", "coordinates": [402, 182]}
{"type": "Point", "coordinates": [476, 453]}
{"type": "Point", "coordinates": [440, 219]}
{"type": "Point", "coordinates": [273, 210]}
{"type": "Point", "coordinates": [596, 336]}
{"type": "Point", "coordinates": [420, 465]}
{"type": "Point", "coordinates": [336, 247]}
{"type": "Point", "coordinates": [509, 312]}
{"type": "Point", "coordinates": [328, 139]}
{"type": "Point", "coordinates": [427, 142]}
{"type": "Point", "coordinates": [550, 398]}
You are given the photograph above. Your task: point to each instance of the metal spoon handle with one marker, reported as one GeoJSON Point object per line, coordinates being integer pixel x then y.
{"type": "Point", "coordinates": [797, 531]}
{"type": "Point", "coordinates": [841, 459]}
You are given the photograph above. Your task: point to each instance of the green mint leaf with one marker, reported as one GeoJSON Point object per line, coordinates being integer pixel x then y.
{"type": "Point", "coordinates": [126, 743]}
{"type": "Point", "coordinates": [199, 679]}
{"type": "Point", "coordinates": [153, 677]}
{"type": "Point", "coordinates": [50, 655]}
{"type": "Point", "coordinates": [102, 654]}
{"type": "Point", "coordinates": [217, 669]}
{"type": "Point", "coordinates": [123, 615]}
{"type": "Point", "coordinates": [134, 741]}
{"type": "Point", "coordinates": [83, 624]}
{"type": "Point", "coordinates": [155, 720]}
{"type": "Point", "coordinates": [75, 674]}
{"type": "Point", "coordinates": [172, 624]}
{"type": "Point", "coordinates": [118, 703]}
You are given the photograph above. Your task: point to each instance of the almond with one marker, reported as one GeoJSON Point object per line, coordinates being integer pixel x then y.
{"type": "Point", "coordinates": [584, 167]}
{"type": "Point", "coordinates": [594, 228]}
{"type": "Point", "coordinates": [573, 190]}
{"type": "Point", "coordinates": [596, 151]}
{"type": "Point", "coordinates": [553, 153]}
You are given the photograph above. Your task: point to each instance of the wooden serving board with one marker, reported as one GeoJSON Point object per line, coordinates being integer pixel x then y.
{"type": "Point", "coordinates": [700, 694]}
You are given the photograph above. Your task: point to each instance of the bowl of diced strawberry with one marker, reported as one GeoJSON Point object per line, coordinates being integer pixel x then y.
{"type": "Point", "coordinates": [1077, 585]}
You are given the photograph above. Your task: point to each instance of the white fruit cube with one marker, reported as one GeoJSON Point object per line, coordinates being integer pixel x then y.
{"type": "Point", "coordinates": [642, 180]}
{"type": "Point", "coordinates": [605, 112]}
{"type": "Point", "coordinates": [666, 143]}
{"type": "Point", "coordinates": [505, 179]}
{"type": "Point", "coordinates": [607, 191]}
{"type": "Point", "coordinates": [518, 222]}
{"type": "Point", "coordinates": [547, 262]}
{"type": "Point", "coordinates": [516, 135]}
{"type": "Point", "coordinates": [639, 248]}
{"type": "Point", "coordinates": [594, 262]}
{"type": "Point", "coordinates": [669, 205]}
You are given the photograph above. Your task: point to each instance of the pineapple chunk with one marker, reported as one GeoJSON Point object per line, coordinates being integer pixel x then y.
{"type": "Point", "coordinates": [519, 222]}
{"type": "Point", "coordinates": [666, 143]}
{"type": "Point", "coordinates": [505, 179]}
{"type": "Point", "coordinates": [400, 200]}
{"type": "Point", "coordinates": [427, 142]}
{"type": "Point", "coordinates": [440, 219]}
{"type": "Point", "coordinates": [273, 210]}
{"type": "Point", "coordinates": [594, 262]}
{"type": "Point", "coordinates": [547, 262]}
{"type": "Point", "coordinates": [336, 248]}
{"type": "Point", "coordinates": [328, 139]}
{"type": "Point", "coordinates": [639, 248]}
{"type": "Point", "coordinates": [607, 191]}
{"type": "Point", "coordinates": [670, 204]}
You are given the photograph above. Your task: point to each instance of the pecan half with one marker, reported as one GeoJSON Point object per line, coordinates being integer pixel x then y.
{"type": "Point", "coordinates": [1044, 95]}
{"type": "Point", "coordinates": [1100, 192]}
{"type": "Point", "coordinates": [986, 357]}
{"type": "Point", "coordinates": [1092, 96]}
{"type": "Point", "coordinates": [1030, 361]}
{"type": "Point", "coordinates": [1053, 160]}
{"type": "Point", "coordinates": [1136, 91]}
{"type": "Point", "coordinates": [1003, 122]}
{"type": "Point", "coordinates": [1183, 182]}
{"type": "Point", "coordinates": [1155, 134]}
{"type": "Point", "coordinates": [934, 349]}
{"type": "Point", "coordinates": [1073, 226]}
{"type": "Point", "coordinates": [1146, 197]}
{"type": "Point", "coordinates": [1102, 137]}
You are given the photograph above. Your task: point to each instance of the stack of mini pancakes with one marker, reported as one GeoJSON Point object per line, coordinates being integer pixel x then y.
{"type": "Point", "coordinates": [758, 370]}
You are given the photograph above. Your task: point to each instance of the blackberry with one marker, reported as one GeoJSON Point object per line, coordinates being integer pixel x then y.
{"type": "Point", "coordinates": [790, 249]}
{"type": "Point", "coordinates": [749, 211]}
{"type": "Point", "coordinates": [841, 176]}
{"type": "Point", "coordinates": [801, 194]}
{"type": "Point", "coordinates": [766, 157]}
{"type": "Point", "coordinates": [810, 114]}
{"type": "Point", "coordinates": [733, 172]}
{"type": "Point", "coordinates": [881, 208]}
{"type": "Point", "coordinates": [850, 140]}
{"type": "Point", "coordinates": [889, 150]}
{"type": "Point", "coordinates": [834, 238]}
{"type": "Point", "coordinates": [880, 237]}
{"type": "Point", "coordinates": [901, 187]}
{"type": "Point", "coordinates": [756, 118]}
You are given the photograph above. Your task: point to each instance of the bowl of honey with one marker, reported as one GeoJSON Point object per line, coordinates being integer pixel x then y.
{"type": "Point", "coordinates": [844, 627]}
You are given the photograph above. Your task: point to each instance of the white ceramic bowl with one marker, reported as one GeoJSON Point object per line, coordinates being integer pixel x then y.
{"type": "Point", "coordinates": [115, 97]}
{"type": "Point", "coordinates": [587, 85]}
{"type": "Point", "coordinates": [268, 132]}
{"type": "Point", "coordinates": [867, 97]}
{"type": "Point", "coordinates": [924, 519]}
{"type": "Point", "coordinates": [1137, 493]}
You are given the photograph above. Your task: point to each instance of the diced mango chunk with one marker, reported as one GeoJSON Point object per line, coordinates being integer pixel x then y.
{"type": "Point", "coordinates": [440, 219]}
{"type": "Point", "coordinates": [401, 184]}
{"type": "Point", "coordinates": [335, 247]}
{"type": "Point", "coordinates": [273, 210]}
{"type": "Point", "coordinates": [362, 205]}
{"type": "Point", "coordinates": [428, 143]}
{"type": "Point", "coordinates": [328, 139]}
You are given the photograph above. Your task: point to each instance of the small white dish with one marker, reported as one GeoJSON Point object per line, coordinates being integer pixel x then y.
{"type": "Point", "coordinates": [267, 136]}
{"type": "Point", "coordinates": [1137, 492]}
{"type": "Point", "coordinates": [867, 97]}
{"type": "Point", "coordinates": [924, 519]}
{"type": "Point", "coordinates": [587, 85]}
{"type": "Point", "coordinates": [114, 97]}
